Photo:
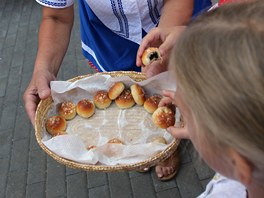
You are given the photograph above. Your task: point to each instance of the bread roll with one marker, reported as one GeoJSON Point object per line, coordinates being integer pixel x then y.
{"type": "Point", "coordinates": [138, 94]}
{"type": "Point", "coordinates": [67, 110]}
{"type": "Point", "coordinates": [101, 99]}
{"type": "Point", "coordinates": [115, 141]}
{"type": "Point", "coordinates": [85, 108]}
{"type": "Point", "coordinates": [116, 90]}
{"type": "Point", "coordinates": [163, 117]}
{"type": "Point", "coordinates": [150, 55]}
{"type": "Point", "coordinates": [159, 139]}
{"type": "Point", "coordinates": [56, 125]}
{"type": "Point", "coordinates": [151, 103]}
{"type": "Point", "coordinates": [125, 100]}
{"type": "Point", "coordinates": [91, 147]}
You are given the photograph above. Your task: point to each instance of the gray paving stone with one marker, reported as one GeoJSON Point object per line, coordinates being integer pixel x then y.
{"type": "Point", "coordinates": [33, 142]}
{"type": "Point", "coordinates": [55, 184]}
{"type": "Point", "coordinates": [36, 167]}
{"type": "Point", "coordinates": [16, 185]}
{"type": "Point", "coordinates": [50, 159]}
{"type": "Point", "coordinates": [21, 39]}
{"type": "Point", "coordinates": [188, 182]}
{"type": "Point", "coordinates": [101, 191]}
{"type": "Point", "coordinates": [5, 143]}
{"type": "Point", "coordinates": [12, 29]}
{"type": "Point", "coordinates": [203, 171]}
{"type": "Point", "coordinates": [184, 154]}
{"type": "Point", "coordinates": [6, 57]}
{"type": "Point", "coordinates": [137, 174]}
{"type": "Point", "coordinates": [3, 84]}
{"type": "Point", "coordinates": [28, 66]}
{"type": "Point", "coordinates": [83, 68]}
{"type": "Point", "coordinates": [11, 94]}
{"type": "Point", "coordinates": [8, 116]}
{"type": "Point", "coordinates": [69, 68]}
{"type": "Point", "coordinates": [142, 187]}
{"type": "Point", "coordinates": [22, 124]}
{"type": "Point", "coordinates": [1, 105]}
{"type": "Point", "coordinates": [205, 182]}
{"type": "Point", "coordinates": [77, 186]}
{"type": "Point", "coordinates": [161, 186]}
{"type": "Point", "coordinates": [95, 179]}
{"type": "Point", "coordinates": [1, 46]}
{"type": "Point", "coordinates": [19, 156]}
{"type": "Point", "coordinates": [170, 193]}
{"type": "Point", "coordinates": [201, 168]}
{"type": "Point", "coordinates": [13, 85]}
{"type": "Point", "coordinates": [71, 171]}
{"type": "Point", "coordinates": [36, 190]}
{"type": "Point", "coordinates": [119, 184]}
{"type": "Point", "coordinates": [18, 58]}
{"type": "Point", "coordinates": [10, 40]}
{"type": "Point", "coordinates": [4, 165]}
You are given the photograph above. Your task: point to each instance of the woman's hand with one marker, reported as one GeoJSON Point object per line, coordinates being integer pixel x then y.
{"type": "Point", "coordinates": [164, 39]}
{"type": "Point", "coordinates": [38, 88]}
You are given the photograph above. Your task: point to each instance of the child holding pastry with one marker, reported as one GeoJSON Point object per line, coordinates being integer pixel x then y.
{"type": "Point", "coordinates": [219, 70]}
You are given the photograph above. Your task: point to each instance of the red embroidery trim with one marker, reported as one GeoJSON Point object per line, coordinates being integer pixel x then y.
{"type": "Point", "coordinates": [225, 1]}
{"type": "Point", "coordinates": [92, 66]}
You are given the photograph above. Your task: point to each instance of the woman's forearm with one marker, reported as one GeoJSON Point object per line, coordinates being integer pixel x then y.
{"type": "Point", "coordinates": [54, 37]}
{"type": "Point", "coordinates": [176, 13]}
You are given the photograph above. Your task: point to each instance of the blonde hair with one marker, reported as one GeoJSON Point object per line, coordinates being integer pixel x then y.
{"type": "Point", "coordinates": [219, 64]}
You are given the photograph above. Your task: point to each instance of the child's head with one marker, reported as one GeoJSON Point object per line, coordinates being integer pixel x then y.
{"type": "Point", "coordinates": [219, 64]}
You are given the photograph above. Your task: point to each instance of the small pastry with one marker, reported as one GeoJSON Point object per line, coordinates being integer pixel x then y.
{"type": "Point", "coordinates": [159, 139]}
{"type": "Point", "coordinates": [138, 94]}
{"type": "Point", "coordinates": [163, 117]}
{"type": "Point", "coordinates": [56, 125]}
{"type": "Point", "coordinates": [67, 109]}
{"type": "Point", "coordinates": [151, 103]}
{"type": "Point", "coordinates": [101, 99]}
{"type": "Point", "coordinates": [150, 55]}
{"type": "Point", "coordinates": [85, 108]}
{"type": "Point", "coordinates": [125, 100]}
{"type": "Point", "coordinates": [115, 141]}
{"type": "Point", "coordinates": [116, 90]}
{"type": "Point", "coordinates": [91, 147]}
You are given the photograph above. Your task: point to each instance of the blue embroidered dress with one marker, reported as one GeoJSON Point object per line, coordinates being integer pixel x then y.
{"type": "Point", "coordinates": [111, 30]}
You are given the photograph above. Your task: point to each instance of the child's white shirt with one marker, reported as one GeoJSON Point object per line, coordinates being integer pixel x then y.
{"type": "Point", "coordinates": [222, 187]}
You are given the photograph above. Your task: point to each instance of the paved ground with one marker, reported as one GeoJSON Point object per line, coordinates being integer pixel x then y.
{"type": "Point", "coordinates": [25, 170]}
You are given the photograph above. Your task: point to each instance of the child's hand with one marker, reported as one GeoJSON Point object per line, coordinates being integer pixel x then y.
{"type": "Point", "coordinates": [180, 133]}
{"type": "Point", "coordinates": [177, 132]}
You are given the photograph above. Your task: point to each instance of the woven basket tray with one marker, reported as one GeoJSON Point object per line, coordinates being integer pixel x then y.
{"type": "Point", "coordinates": [45, 105]}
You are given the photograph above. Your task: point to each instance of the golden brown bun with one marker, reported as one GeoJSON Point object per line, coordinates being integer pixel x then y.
{"type": "Point", "coordinates": [116, 90]}
{"type": "Point", "coordinates": [91, 147]}
{"type": "Point", "coordinates": [138, 94]}
{"type": "Point", "coordinates": [101, 99]}
{"type": "Point", "coordinates": [125, 100]}
{"type": "Point", "coordinates": [56, 125]}
{"type": "Point", "coordinates": [85, 108]}
{"type": "Point", "coordinates": [163, 117]}
{"type": "Point", "coordinates": [159, 139]}
{"type": "Point", "coordinates": [67, 110]}
{"type": "Point", "coordinates": [151, 103]}
{"type": "Point", "coordinates": [115, 141]}
{"type": "Point", "coordinates": [150, 55]}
